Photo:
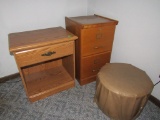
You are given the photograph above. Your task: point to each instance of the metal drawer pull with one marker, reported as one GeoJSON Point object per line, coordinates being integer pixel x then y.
{"type": "Point", "coordinates": [48, 53]}
{"type": "Point", "coordinates": [97, 47]}
{"type": "Point", "coordinates": [95, 70]}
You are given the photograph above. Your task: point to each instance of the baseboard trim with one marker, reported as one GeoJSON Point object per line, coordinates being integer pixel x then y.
{"type": "Point", "coordinates": [9, 77]}
{"type": "Point", "coordinates": [154, 100]}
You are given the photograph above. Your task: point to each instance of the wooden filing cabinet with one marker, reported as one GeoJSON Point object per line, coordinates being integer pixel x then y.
{"type": "Point", "coordinates": [94, 45]}
{"type": "Point", "coordinates": [45, 59]}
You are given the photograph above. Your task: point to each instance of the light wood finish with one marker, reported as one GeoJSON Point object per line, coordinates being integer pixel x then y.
{"type": "Point", "coordinates": [38, 38]}
{"type": "Point", "coordinates": [95, 40]}
{"type": "Point", "coordinates": [48, 66]}
{"type": "Point", "coordinates": [36, 55]}
{"type": "Point", "coordinates": [92, 64]}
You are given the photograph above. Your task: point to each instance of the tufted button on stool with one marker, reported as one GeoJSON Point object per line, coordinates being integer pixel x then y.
{"type": "Point", "coordinates": [122, 90]}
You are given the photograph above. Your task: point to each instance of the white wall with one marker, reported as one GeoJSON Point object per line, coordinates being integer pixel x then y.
{"type": "Point", "coordinates": [137, 37]}
{"type": "Point", "coordinates": [23, 15]}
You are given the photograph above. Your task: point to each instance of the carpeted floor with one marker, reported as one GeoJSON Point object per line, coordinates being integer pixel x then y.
{"type": "Point", "coordinates": [73, 104]}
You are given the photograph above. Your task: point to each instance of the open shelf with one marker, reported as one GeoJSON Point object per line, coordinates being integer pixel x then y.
{"type": "Point", "coordinates": [47, 78]}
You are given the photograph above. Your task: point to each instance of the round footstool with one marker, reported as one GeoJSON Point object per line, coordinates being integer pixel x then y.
{"type": "Point", "coordinates": [122, 90]}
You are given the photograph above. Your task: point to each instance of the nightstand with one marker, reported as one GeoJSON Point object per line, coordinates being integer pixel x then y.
{"type": "Point", "coordinates": [45, 59]}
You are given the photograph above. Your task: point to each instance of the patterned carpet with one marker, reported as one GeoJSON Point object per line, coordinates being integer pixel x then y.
{"type": "Point", "coordinates": [73, 104]}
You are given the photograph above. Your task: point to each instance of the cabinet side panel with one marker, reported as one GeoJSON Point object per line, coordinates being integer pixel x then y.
{"type": "Point", "coordinates": [68, 63]}
{"type": "Point", "coordinates": [75, 29]}
{"type": "Point", "coordinates": [22, 76]}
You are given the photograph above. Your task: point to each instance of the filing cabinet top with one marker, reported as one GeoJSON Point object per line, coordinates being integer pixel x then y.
{"type": "Point", "coordinates": [92, 21]}
{"type": "Point", "coordinates": [38, 38]}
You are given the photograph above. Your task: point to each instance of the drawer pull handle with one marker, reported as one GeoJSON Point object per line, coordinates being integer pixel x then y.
{"type": "Point", "coordinates": [48, 53]}
{"type": "Point", "coordinates": [95, 70]}
{"type": "Point", "coordinates": [97, 47]}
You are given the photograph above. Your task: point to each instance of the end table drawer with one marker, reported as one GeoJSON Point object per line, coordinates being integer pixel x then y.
{"type": "Point", "coordinates": [41, 54]}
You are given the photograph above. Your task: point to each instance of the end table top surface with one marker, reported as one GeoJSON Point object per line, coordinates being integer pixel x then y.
{"type": "Point", "coordinates": [37, 38]}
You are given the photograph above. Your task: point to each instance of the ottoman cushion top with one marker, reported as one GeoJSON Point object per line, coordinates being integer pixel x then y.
{"type": "Point", "coordinates": [125, 79]}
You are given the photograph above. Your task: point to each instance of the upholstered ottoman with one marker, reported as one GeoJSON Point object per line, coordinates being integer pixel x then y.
{"type": "Point", "coordinates": [122, 90]}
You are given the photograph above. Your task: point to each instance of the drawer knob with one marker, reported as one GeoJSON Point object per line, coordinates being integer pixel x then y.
{"type": "Point", "coordinates": [48, 53]}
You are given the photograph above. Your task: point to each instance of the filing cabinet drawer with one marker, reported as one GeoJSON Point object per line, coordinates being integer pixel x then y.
{"type": "Point", "coordinates": [96, 40]}
{"type": "Point", "coordinates": [41, 54]}
{"type": "Point", "coordinates": [91, 65]}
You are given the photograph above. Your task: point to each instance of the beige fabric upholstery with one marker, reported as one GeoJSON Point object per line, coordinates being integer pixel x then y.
{"type": "Point", "coordinates": [122, 90]}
